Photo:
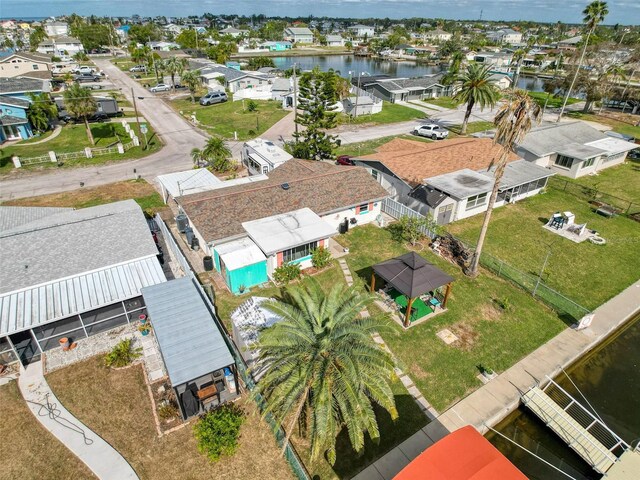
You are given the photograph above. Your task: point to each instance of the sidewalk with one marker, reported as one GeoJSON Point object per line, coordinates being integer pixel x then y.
{"type": "Point", "coordinates": [494, 401]}
{"type": "Point", "coordinates": [103, 460]}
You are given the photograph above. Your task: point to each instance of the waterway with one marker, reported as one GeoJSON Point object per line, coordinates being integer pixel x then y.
{"type": "Point", "coordinates": [349, 65]}
{"type": "Point", "coordinates": [609, 377]}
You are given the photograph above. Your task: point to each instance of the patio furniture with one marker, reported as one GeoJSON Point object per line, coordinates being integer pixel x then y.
{"type": "Point", "coordinates": [557, 221]}
{"type": "Point", "coordinates": [207, 392]}
{"type": "Point", "coordinates": [434, 302]}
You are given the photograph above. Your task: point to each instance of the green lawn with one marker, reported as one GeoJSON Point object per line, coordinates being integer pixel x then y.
{"type": "Point", "coordinates": [348, 463]}
{"type": "Point", "coordinates": [73, 138]}
{"type": "Point", "coordinates": [445, 102]}
{"type": "Point", "coordinates": [555, 101]}
{"type": "Point", "coordinates": [371, 146]}
{"type": "Point", "coordinates": [224, 119]}
{"type": "Point", "coordinates": [472, 127]}
{"type": "Point", "coordinates": [621, 181]}
{"type": "Point", "coordinates": [616, 125]}
{"type": "Point", "coordinates": [391, 113]}
{"type": "Point", "coordinates": [586, 273]}
{"type": "Point", "coordinates": [489, 336]}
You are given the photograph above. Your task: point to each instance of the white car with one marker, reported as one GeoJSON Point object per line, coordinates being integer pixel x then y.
{"type": "Point", "coordinates": [432, 131]}
{"type": "Point", "coordinates": [84, 70]}
{"type": "Point", "coordinates": [161, 87]}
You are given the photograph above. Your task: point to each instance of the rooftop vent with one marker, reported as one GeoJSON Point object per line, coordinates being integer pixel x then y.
{"type": "Point", "coordinates": [285, 186]}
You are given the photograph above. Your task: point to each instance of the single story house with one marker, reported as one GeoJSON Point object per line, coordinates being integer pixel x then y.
{"type": "Point", "coordinates": [569, 43]}
{"type": "Point", "coordinates": [262, 156]}
{"type": "Point", "coordinates": [14, 124]}
{"type": "Point", "coordinates": [404, 89]}
{"type": "Point", "coordinates": [213, 74]}
{"type": "Point", "coordinates": [362, 31]}
{"type": "Point", "coordinates": [429, 177]}
{"type": "Point", "coordinates": [437, 35]}
{"type": "Point", "coordinates": [34, 65]}
{"type": "Point", "coordinates": [163, 46]}
{"type": "Point", "coordinates": [54, 28]}
{"type": "Point", "coordinates": [277, 46]}
{"type": "Point", "coordinates": [174, 185]}
{"type": "Point", "coordinates": [505, 35]}
{"type": "Point", "coordinates": [71, 273]}
{"type": "Point", "coordinates": [363, 104]}
{"type": "Point", "coordinates": [573, 149]}
{"type": "Point", "coordinates": [494, 59]}
{"type": "Point", "coordinates": [281, 87]}
{"type": "Point", "coordinates": [201, 369]}
{"type": "Point", "coordinates": [335, 41]}
{"type": "Point", "coordinates": [234, 32]}
{"type": "Point", "coordinates": [20, 87]}
{"type": "Point", "coordinates": [298, 35]}
{"type": "Point", "coordinates": [502, 81]}
{"type": "Point", "coordinates": [253, 227]}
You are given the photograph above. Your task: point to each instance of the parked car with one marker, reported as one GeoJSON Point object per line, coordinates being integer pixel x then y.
{"type": "Point", "coordinates": [93, 87]}
{"type": "Point", "coordinates": [87, 77]}
{"type": "Point", "coordinates": [161, 87]}
{"type": "Point", "coordinates": [213, 97]}
{"type": "Point", "coordinates": [138, 68]}
{"type": "Point", "coordinates": [94, 118]}
{"type": "Point", "coordinates": [345, 160]}
{"type": "Point", "coordinates": [432, 131]}
{"type": "Point", "coordinates": [83, 70]}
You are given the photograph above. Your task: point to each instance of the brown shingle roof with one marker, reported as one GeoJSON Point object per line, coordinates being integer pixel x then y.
{"type": "Point", "coordinates": [322, 187]}
{"type": "Point", "coordinates": [413, 161]}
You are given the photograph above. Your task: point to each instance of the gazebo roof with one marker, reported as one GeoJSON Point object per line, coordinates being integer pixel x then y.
{"type": "Point", "coordinates": [411, 274]}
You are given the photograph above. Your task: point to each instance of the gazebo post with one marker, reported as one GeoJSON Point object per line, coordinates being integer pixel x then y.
{"type": "Point", "coordinates": [407, 314]}
{"type": "Point", "coordinates": [446, 295]}
{"type": "Point", "coordinates": [373, 282]}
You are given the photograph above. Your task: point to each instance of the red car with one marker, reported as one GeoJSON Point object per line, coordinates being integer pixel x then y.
{"type": "Point", "coordinates": [345, 160]}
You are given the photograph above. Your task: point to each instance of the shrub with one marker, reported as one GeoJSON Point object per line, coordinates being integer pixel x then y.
{"type": "Point", "coordinates": [218, 431]}
{"type": "Point", "coordinates": [287, 272]}
{"type": "Point", "coordinates": [252, 106]}
{"type": "Point", "coordinates": [122, 354]}
{"type": "Point", "coordinates": [320, 257]}
{"type": "Point", "coordinates": [168, 410]}
{"type": "Point", "coordinates": [412, 228]}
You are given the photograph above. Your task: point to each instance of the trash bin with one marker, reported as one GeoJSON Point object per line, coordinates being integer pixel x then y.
{"type": "Point", "coordinates": [208, 263]}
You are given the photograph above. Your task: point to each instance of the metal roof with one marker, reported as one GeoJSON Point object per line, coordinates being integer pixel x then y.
{"type": "Point", "coordinates": [461, 184]}
{"type": "Point", "coordinates": [189, 181]}
{"type": "Point", "coordinates": [240, 253]}
{"type": "Point", "coordinates": [519, 173]}
{"type": "Point", "coordinates": [190, 342]}
{"type": "Point", "coordinates": [268, 151]}
{"type": "Point", "coordinates": [62, 298]}
{"type": "Point", "coordinates": [280, 232]}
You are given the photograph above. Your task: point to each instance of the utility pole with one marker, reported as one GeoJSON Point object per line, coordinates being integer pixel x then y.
{"type": "Point", "coordinates": [135, 108]}
{"type": "Point", "coordinates": [355, 111]}
{"type": "Point", "coordinates": [295, 102]}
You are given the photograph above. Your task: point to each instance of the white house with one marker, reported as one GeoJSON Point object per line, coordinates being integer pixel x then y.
{"type": "Point", "coordinates": [437, 35]}
{"type": "Point", "coordinates": [335, 41]}
{"type": "Point", "coordinates": [262, 156]}
{"type": "Point", "coordinates": [362, 31]}
{"type": "Point", "coordinates": [60, 46]}
{"type": "Point", "coordinates": [506, 35]}
{"type": "Point", "coordinates": [234, 32]}
{"type": "Point", "coordinates": [25, 64]}
{"type": "Point", "coordinates": [495, 60]}
{"type": "Point", "coordinates": [163, 46]}
{"type": "Point", "coordinates": [573, 149]}
{"type": "Point", "coordinates": [55, 28]}
{"type": "Point", "coordinates": [298, 35]}
{"type": "Point", "coordinates": [361, 102]}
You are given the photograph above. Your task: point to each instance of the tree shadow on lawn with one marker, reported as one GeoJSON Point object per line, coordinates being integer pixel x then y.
{"type": "Point", "coordinates": [410, 420]}
{"type": "Point", "coordinates": [103, 132]}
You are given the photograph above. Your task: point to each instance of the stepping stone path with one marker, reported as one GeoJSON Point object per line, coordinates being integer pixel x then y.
{"type": "Point", "coordinates": [422, 402]}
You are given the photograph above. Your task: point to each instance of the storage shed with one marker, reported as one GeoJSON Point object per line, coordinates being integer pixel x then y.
{"type": "Point", "coordinates": [241, 263]}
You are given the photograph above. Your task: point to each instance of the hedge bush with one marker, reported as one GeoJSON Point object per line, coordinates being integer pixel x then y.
{"type": "Point", "coordinates": [320, 257]}
{"type": "Point", "coordinates": [218, 431]}
{"type": "Point", "coordinates": [287, 272]}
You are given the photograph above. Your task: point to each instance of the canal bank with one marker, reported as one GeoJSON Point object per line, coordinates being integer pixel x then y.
{"type": "Point", "coordinates": [494, 401]}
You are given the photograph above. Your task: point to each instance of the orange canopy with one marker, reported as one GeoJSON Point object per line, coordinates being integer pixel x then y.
{"type": "Point", "coordinates": [461, 455]}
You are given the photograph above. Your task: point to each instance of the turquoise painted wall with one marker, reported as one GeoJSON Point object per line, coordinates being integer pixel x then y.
{"type": "Point", "coordinates": [216, 260]}
{"type": "Point", "coordinates": [248, 276]}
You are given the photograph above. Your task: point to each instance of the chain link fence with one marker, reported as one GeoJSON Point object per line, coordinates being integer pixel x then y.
{"type": "Point", "coordinates": [592, 194]}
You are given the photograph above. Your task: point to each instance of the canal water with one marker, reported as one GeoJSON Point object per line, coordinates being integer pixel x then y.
{"type": "Point", "coordinates": [343, 64]}
{"type": "Point", "coordinates": [609, 377]}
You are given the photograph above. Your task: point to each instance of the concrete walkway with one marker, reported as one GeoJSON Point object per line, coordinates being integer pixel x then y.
{"type": "Point", "coordinates": [494, 401]}
{"type": "Point", "coordinates": [103, 460]}
{"type": "Point", "coordinates": [56, 131]}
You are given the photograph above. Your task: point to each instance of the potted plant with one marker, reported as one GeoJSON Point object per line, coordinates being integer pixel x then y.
{"type": "Point", "coordinates": [143, 318]}
{"type": "Point", "coordinates": [64, 343]}
{"type": "Point", "coordinates": [144, 329]}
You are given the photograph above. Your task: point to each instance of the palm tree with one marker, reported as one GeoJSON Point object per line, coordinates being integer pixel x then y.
{"type": "Point", "coordinates": [41, 111]}
{"type": "Point", "coordinates": [513, 121]}
{"type": "Point", "coordinates": [197, 156]}
{"type": "Point", "coordinates": [217, 154]}
{"type": "Point", "coordinates": [594, 13]}
{"type": "Point", "coordinates": [191, 80]}
{"type": "Point", "coordinates": [454, 68]}
{"type": "Point", "coordinates": [80, 103]}
{"type": "Point", "coordinates": [322, 368]}
{"type": "Point", "coordinates": [175, 66]}
{"type": "Point", "coordinates": [475, 87]}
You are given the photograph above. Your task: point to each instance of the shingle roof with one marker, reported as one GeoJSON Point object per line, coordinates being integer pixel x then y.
{"type": "Point", "coordinates": [12, 217]}
{"type": "Point", "coordinates": [548, 139]}
{"type": "Point", "coordinates": [320, 186]}
{"type": "Point", "coordinates": [6, 120]}
{"type": "Point", "coordinates": [20, 84]}
{"type": "Point", "coordinates": [38, 57]}
{"type": "Point", "coordinates": [403, 84]}
{"type": "Point", "coordinates": [299, 31]}
{"type": "Point", "coordinates": [39, 74]}
{"type": "Point", "coordinates": [414, 161]}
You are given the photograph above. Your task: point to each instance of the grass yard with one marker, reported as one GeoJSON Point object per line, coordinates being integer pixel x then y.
{"type": "Point", "coordinates": [73, 138]}
{"type": "Point", "coordinates": [490, 336]}
{"type": "Point", "coordinates": [371, 146]}
{"type": "Point", "coordinates": [622, 181]}
{"type": "Point", "coordinates": [444, 102]}
{"type": "Point", "coordinates": [139, 190]}
{"type": "Point", "coordinates": [617, 126]}
{"type": "Point", "coordinates": [410, 420]}
{"type": "Point", "coordinates": [555, 101]}
{"type": "Point", "coordinates": [586, 273]}
{"type": "Point", "coordinates": [28, 451]}
{"type": "Point", "coordinates": [224, 119]}
{"type": "Point", "coordinates": [391, 113]}
{"type": "Point", "coordinates": [472, 127]}
{"type": "Point", "coordinates": [115, 404]}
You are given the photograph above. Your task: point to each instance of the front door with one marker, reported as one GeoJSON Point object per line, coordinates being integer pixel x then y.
{"type": "Point", "coordinates": [444, 214]}
{"type": "Point", "coordinates": [26, 346]}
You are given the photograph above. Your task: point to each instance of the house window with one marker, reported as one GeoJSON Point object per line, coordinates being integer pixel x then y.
{"type": "Point", "coordinates": [35, 67]}
{"type": "Point", "coordinates": [374, 174]}
{"type": "Point", "coordinates": [297, 253]}
{"type": "Point", "coordinates": [364, 208]}
{"type": "Point", "coordinates": [476, 201]}
{"type": "Point", "coordinates": [563, 161]}
{"type": "Point", "coordinates": [588, 162]}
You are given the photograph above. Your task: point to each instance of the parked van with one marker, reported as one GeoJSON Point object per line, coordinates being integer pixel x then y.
{"type": "Point", "coordinates": [213, 97]}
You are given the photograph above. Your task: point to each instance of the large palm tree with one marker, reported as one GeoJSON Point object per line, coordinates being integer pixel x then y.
{"type": "Point", "coordinates": [191, 80]}
{"type": "Point", "coordinates": [323, 371]}
{"type": "Point", "coordinates": [217, 154]}
{"type": "Point", "coordinates": [594, 14]}
{"type": "Point", "coordinates": [175, 66]}
{"type": "Point", "coordinates": [80, 103]}
{"type": "Point", "coordinates": [475, 87]}
{"type": "Point", "coordinates": [513, 121]}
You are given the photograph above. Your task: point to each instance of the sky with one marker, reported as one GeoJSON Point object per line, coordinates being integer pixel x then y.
{"type": "Point", "coordinates": [568, 11]}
